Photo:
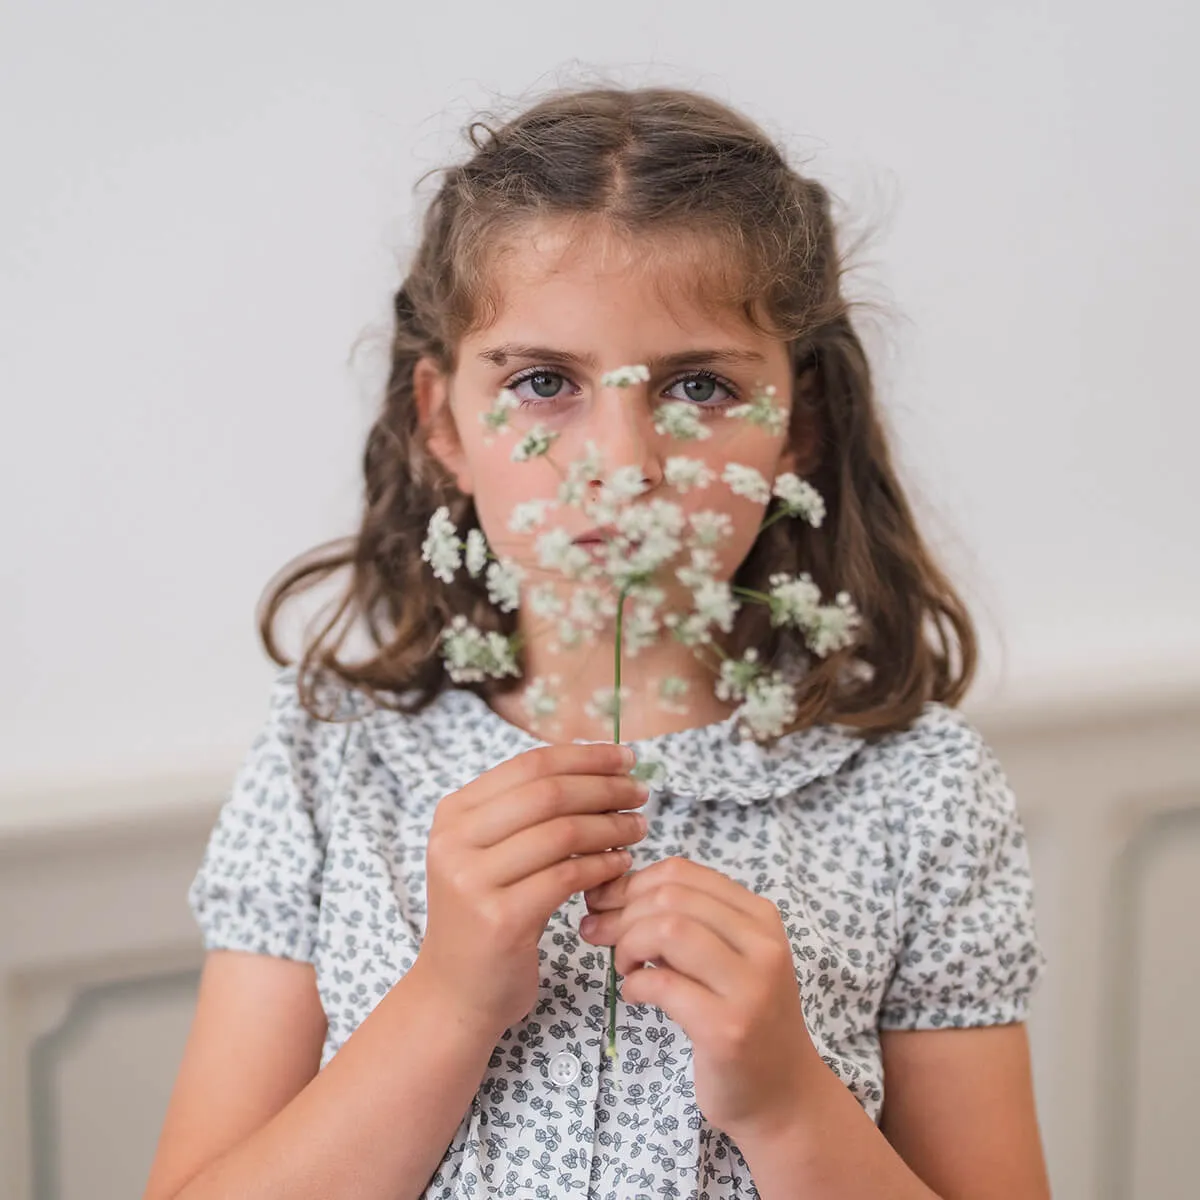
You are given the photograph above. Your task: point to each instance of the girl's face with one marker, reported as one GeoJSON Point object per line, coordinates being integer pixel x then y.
{"type": "Point", "coordinates": [569, 312]}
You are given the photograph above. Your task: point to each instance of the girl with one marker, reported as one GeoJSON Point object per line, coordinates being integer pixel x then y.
{"type": "Point", "coordinates": [825, 941]}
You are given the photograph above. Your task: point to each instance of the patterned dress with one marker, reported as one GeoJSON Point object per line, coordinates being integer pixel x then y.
{"type": "Point", "coordinates": [899, 867]}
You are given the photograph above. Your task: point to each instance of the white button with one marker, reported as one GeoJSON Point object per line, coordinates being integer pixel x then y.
{"type": "Point", "coordinates": [564, 1068]}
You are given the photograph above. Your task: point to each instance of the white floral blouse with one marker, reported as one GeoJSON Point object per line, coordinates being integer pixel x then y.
{"type": "Point", "coordinates": [899, 868]}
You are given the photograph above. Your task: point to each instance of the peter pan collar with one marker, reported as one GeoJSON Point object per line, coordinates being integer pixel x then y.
{"type": "Point", "coordinates": [458, 736]}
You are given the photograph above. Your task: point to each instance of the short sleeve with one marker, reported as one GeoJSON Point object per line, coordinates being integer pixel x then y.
{"type": "Point", "coordinates": [258, 885]}
{"type": "Point", "coordinates": [968, 949]}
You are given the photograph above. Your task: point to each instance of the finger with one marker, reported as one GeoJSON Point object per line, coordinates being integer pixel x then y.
{"type": "Point", "coordinates": [683, 871]}
{"type": "Point", "coordinates": [688, 1003]}
{"type": "Point", "coordinates": [535, 848]}
{"type": "Point", "coordinates": [548, 889]}
{"type": "Point", "coordinates": [588, 758]}
{"type": "Point", "coordinates": [551, 796]}
{"type": "Point", "coordinates": [685, 945]}
{"type": "Point", "coordinates": [741, 933]}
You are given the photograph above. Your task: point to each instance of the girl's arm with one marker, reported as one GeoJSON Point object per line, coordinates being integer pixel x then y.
{"type": "Point", "coordinates": [251, 1118]}
{"type": "Point", "coordinates": [958, 1124]}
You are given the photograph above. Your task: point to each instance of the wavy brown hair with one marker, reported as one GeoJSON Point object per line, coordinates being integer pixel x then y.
{"type": "Point", "coordinates": [674, 169]}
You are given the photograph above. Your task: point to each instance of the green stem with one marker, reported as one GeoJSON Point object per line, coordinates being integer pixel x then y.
{"type": "Point", "coordinates": [777, 515]}
{"type": "Point", "coordinates": [611, 1049]}
{"type": "Point", "coordinates": [751, 594]}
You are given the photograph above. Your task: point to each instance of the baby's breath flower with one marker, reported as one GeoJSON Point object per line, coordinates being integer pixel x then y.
{"type": "Point", "coordinates": [625, 376]}
{"type": "Point", "coordinates": [539, 701]}
{"type": "Point", "coordinates": [647, 536]}
{"type": "Point", "coordinates": [746, 481]}
{"type": "Point", "coordinates": [800, 498]}
{"type": "Point", "coordinates": [604, 702]}
{"type": "Point", "coordinates": [544, 600]}
{"type": "Point", "coordinates": [557, 552]}
{"type": "Point", "coordinates": [618, 488]}
{"type": "Point", "coordinates": [715, 603]}
{"type": "Point", "coordinates": [737, 675]}
{"type": "Point", "coordinates": [769, 707]}
{"type": "Point", "coordinates": [529, 514]}
{"type": "Point", "coordinates": [761, 410]}
{"type": "Point", "coordinates": [496, 419]}
{"type": "Point", "coordinates": [573, 490]}
{"type": "Point", "coordinates": [670, 691]}
{"type": "Point", "coordinates": [649, 770]}
{"type": "Point", "coordinates": [794, 601]}
{"type": "Point", "coordinates": [591, 609]}
{"type": "Point", "coordinates": [472, 655]}
{"type": "Point", "coordinates": [827, 627]}
{"type": "Point", "coordinates": [569, 636]}
{"type": "Point", "coordinates": [640, 628]}
{"type": "Point", "coordinates": [710, 527]}
{"type": "Point", "coordinates": [504, 584]}
{"type": "Point", "coordinates": [535, 444]}
{"type": "Point", "coordinates": [679, 419]}
{"type": "Point", "coordinates": [441, 548]}
{"type": "Point", "coordinates": [701, 569]}
{"type": "Point", "coordinates": [834, 626]}
{"type": "Point", "coordinates": [477, 552]}
{"type": "Point", "coordinates": [685, 473]}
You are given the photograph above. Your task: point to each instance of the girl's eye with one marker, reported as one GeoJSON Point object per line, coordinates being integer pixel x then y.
{"type": "Point", "coordinates": [703, 384]}
{"type": "Point", "coordinates": [544, 384]}
{"type": "Point", "coordinates": [699, 388]}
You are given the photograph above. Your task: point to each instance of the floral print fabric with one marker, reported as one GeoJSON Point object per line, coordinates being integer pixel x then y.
{"type": "Point", "coordinates": [899, 868]}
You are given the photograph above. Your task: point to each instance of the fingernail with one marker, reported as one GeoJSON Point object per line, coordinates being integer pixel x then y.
{"type": "Point", "coordinates": [587, 924]}
{"type": "Point", "coordinates": [628, 756]}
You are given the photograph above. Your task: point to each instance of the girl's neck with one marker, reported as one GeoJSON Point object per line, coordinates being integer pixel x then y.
{"type": "Point", "coordinates": [585, 670]}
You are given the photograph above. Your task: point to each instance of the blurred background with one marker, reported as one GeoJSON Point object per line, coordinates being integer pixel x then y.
{"type": "Point", "coordinates": [204, 212]}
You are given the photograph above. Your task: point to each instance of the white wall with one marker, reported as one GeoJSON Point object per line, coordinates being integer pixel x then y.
{"type": "Point", "coordinates": [203, 204]}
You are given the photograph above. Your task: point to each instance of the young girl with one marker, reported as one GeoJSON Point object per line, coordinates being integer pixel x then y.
{"type": "Point", "coordinates": [824, 940]}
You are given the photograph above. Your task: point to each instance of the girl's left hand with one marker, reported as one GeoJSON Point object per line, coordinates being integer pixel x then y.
{"type": "Point", "coordinates": [724, 973]}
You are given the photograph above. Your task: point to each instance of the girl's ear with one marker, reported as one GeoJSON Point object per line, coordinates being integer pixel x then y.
{"type": "Point", "coordinates": [431, 391]}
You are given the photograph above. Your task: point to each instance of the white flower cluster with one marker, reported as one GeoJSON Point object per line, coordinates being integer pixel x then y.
{"type": "Point", "coordinates": [496, 419]}
{"type": "Point", "coordinates": [681, 420]}
{"type": "Point", "coordinates": [671, 691]}
{"type": "Point", "coordinates": [746, 481]}
{"type": "Point", "coordinates": [625, 376]}
{"type": "Point", "coordinates": [642, 538]}
{"type": "Point", "coordinates": [762, 411]}
{"type": "Point", "coordinates": [800, 498]}
{"type": "Point", "coordinates": [539, 700]}
{"type": "Point", "coordinates": [683, 474]}
{"type": "Point", "coordinates": [605, 703]}
{"type": "Point", "coordinates": [767, 701]}
{"type": "Point", "coordinates": [472, 655]}
{"type": "Point", "coordinates": [442, 548]}
{"type": "Point", "coordinates": [796, 600]}
{"type": "Point", "coordinates": [535, 444]}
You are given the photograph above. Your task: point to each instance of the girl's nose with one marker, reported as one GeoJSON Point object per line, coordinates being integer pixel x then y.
{"type": "Point", "coordinates": [624, 432]}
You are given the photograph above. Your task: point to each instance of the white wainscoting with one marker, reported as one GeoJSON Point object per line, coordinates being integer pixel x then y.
{"type": "Point", "coordinates": [98, 956]}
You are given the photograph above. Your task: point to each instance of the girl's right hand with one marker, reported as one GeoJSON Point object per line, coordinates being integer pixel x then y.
{"type": "Point", "coordinates": [499, 863]}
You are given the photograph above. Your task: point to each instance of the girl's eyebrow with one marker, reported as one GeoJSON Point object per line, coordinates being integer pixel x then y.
{"type": "Point", "coordinates": [499, 355]}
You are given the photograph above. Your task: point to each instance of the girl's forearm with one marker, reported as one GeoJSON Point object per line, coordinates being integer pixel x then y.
{"type": "Point", "coordinates": [375, 1123]}
{"type": "Point", "coordinates": [829, 1149]}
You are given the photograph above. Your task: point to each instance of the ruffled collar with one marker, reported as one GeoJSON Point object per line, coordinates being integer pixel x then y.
{"type": "Point", "coordinates": [458, 736]}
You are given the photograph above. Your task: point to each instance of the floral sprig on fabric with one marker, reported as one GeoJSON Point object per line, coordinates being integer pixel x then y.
{"type": "Point", "coordinates": [619, 584]}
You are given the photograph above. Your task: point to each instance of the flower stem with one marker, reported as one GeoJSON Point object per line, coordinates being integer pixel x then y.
{"type": "Point", "coordinates": [751, 594]}
{"type": "Point", "coordinates": [778, 514]}
{"type": "Point", "coordinates": [611, 1049]}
